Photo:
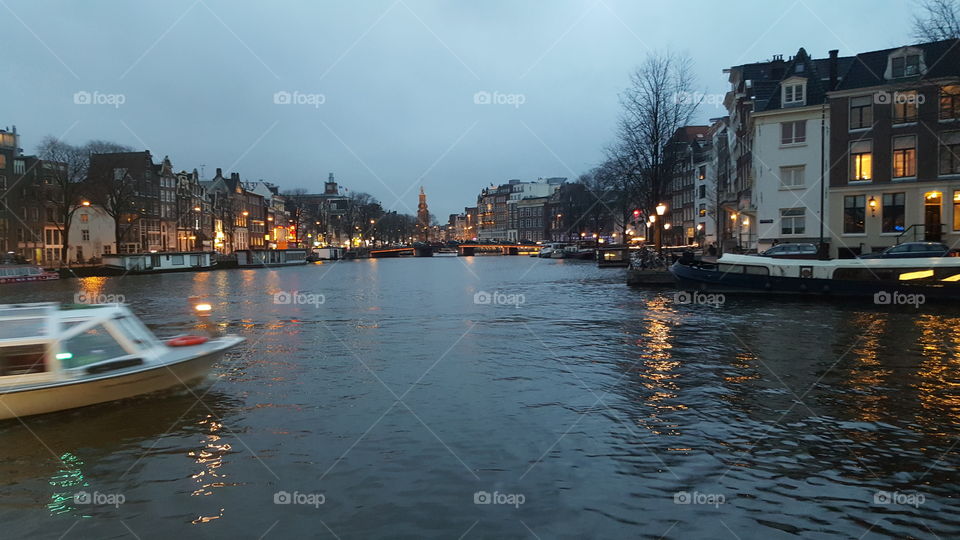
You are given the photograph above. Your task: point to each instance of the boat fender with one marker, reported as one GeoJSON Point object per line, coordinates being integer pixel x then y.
{"type": "Point", "coordinates": [187, 341]}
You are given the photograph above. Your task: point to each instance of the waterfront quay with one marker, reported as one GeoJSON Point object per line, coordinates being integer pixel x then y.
{"type": "Point", "coordinates": [501, 397]}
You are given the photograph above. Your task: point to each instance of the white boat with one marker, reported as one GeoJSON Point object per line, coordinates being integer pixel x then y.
{"type": "Point", "coordinates": [548, 250]}
{"type": "Point", "coordinates": [19, 273]}
{"type": "Point", "coordinates": [54, 358]}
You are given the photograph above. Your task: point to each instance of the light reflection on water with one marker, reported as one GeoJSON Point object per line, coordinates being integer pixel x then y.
{"type": "Point", "coordinates": [598, 403]}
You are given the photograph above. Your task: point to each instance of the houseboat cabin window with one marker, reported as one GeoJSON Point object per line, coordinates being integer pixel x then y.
{"type": "Point", "coordinates": [902, 275]}
{"type": "Point", "coordinates": [22, 359]}
{"type": "Point", "coordinates": [176, 259]}
{"type": "Point", "coordinates": [743, 269]}
{"type": "Point", "coordinates": [94, 345]}
{"type": "Point", "coordinates": [893, 212]}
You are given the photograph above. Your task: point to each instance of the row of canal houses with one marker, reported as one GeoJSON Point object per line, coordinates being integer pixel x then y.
{"type": "Point", "coordinates": [862, 151]}
{"type": "Point", "coordinates": [168, 211]}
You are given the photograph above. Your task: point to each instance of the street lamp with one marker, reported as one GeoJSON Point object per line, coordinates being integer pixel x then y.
{"type": "Point", "coordinates": [661, 209]}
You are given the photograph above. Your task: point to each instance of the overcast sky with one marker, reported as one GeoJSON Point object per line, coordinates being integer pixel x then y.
{"type": "Point", "coordinates": [398, 80]}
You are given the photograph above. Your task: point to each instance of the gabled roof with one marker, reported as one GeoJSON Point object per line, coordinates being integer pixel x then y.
{"type": "Point", "coordinates": [817, 75]}
{"type": "Point", "coordinates": [942, 59]}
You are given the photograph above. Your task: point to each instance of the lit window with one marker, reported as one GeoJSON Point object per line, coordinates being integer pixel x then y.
{"type": "Point", "coordinates": [949, 102]}
{"type": "Point", "coordinates": [861, 112]}
{"type": "Point", "coordinates": [905, 156]}
{"type": "Point", "coordinates": [956, 210]}
{"type": "Point", "coordinates": [84, 218]}
{"type": "Point", "coordinates": [861, 160]}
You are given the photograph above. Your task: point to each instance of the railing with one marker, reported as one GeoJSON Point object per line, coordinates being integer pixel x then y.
{"type": "Point", "coordinates": [915, 231]}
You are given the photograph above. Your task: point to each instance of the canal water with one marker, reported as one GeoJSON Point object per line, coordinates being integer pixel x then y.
{"type": "Point", "coordinates": [502, 397]}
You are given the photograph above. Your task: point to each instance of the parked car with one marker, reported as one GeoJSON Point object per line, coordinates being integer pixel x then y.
{"type": "Point", "coordinates": [909, 250]}
{"type": "Point", "coordinates": [792, 251]}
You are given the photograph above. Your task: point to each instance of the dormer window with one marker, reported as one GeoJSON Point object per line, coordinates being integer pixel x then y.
{"type": "Point", "coordinates": [794, 92]}
{"type": "Point", "coordinates": [905, 62]}
{"type": "Point", "coordinates": [906, 66]}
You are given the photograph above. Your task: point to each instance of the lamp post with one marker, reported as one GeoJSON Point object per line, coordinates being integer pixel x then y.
{"type": "Point", "coordinates": [661, 209]}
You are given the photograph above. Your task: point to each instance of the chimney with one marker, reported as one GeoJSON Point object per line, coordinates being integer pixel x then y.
{"type": "Point", "coordinates": [833, 68]}
{"type": "Point", "coordinates": [330, 178]}
{"type": "Point", "coordinates": [235, 176]}
{"type": "Point", "coordinates": [219, 172]}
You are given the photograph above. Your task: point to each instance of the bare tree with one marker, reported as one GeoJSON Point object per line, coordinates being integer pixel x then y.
{"type": "Point", "coordinates": [937, 20]}
{"type": "Point", "coordinates": [69, 184]}
{"type": "Point", "coordinates": [661, 99]}
{"type": "Point", "coordinates": [63, 196]}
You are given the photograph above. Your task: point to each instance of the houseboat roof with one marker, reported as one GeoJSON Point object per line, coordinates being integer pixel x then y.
{"type": "Point", "coordinates": [757, 260]}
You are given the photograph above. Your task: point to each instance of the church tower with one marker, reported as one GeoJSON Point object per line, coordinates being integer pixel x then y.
{"type": "Point", "coordinates": [423, 217]}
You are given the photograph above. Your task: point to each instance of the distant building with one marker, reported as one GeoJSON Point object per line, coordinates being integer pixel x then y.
{"type": "Point", "coordinates": [789, 152]}
{"type": "Point", "coordinates": [895, 149]}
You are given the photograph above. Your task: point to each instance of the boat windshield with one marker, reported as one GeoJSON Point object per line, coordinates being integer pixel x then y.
{"type": "Point", "coordinates": [94, 345]}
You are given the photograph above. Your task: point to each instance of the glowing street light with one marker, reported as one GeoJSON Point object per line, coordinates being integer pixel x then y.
{"type": "Point", "coordinates": [661, 208]}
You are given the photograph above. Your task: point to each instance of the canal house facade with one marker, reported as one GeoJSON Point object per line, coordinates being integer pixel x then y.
{"type": "Point", "coordinates": [895, 149]}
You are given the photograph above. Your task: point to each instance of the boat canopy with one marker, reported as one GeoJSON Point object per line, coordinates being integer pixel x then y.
{"type": "Point", "coordinates": [51, 342]}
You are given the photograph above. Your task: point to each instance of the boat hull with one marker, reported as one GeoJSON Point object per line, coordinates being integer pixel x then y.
{"type": "Point", "coordinates": [692, 278]}
{"type": "Point", "coordinates": [75, 394]}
